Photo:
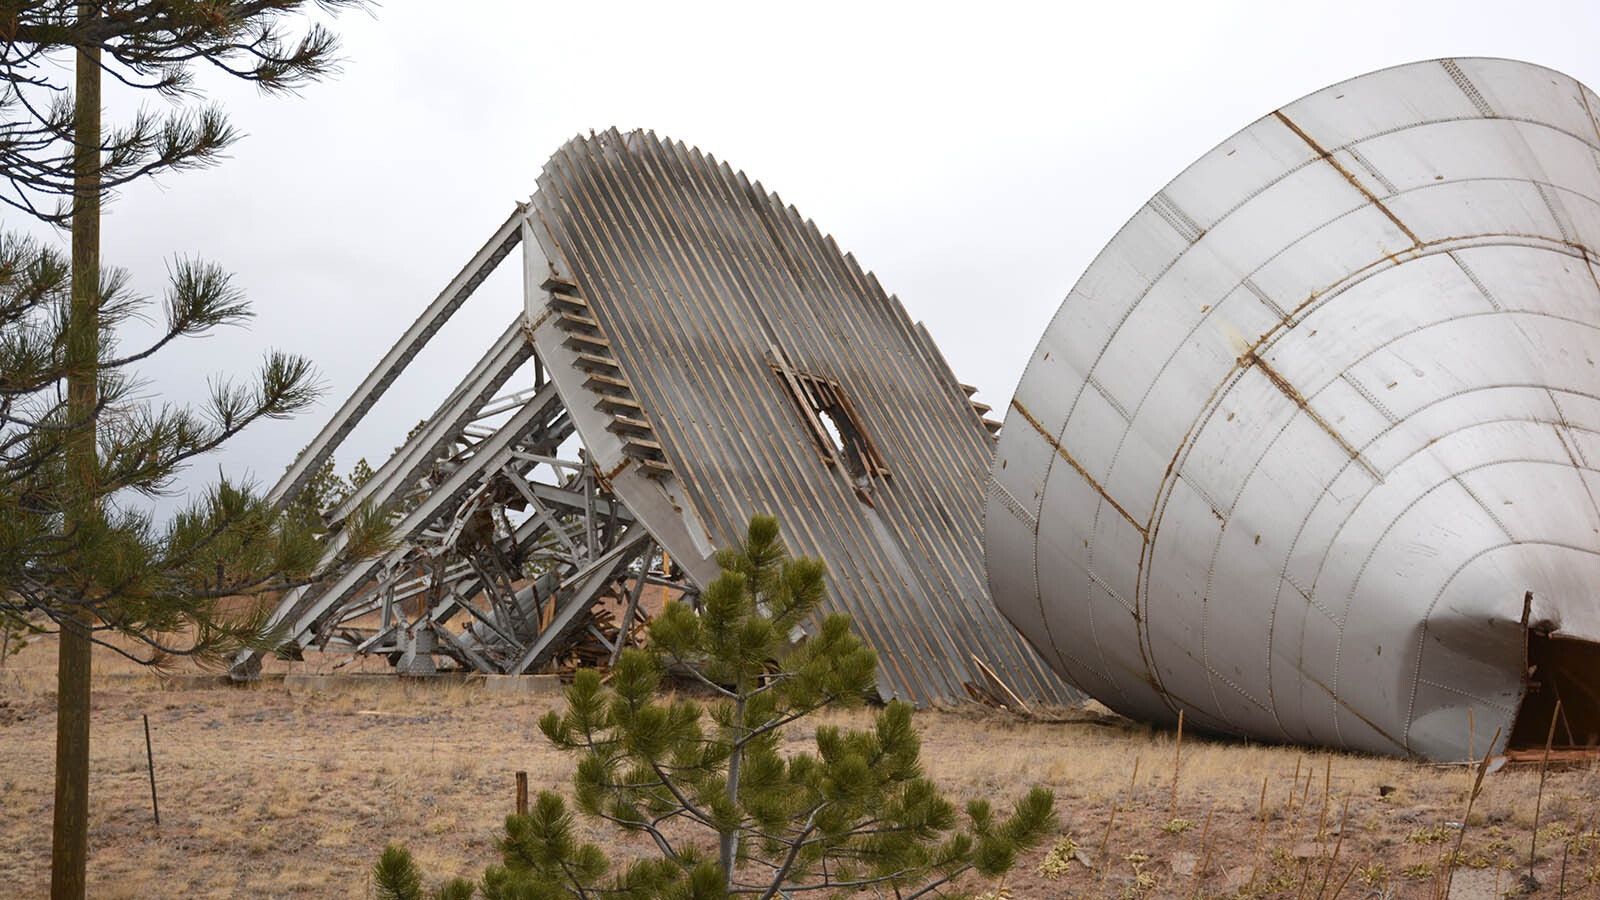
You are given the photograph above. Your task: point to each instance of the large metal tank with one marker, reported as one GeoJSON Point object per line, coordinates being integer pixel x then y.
{"type": "Point", "coordinates": [1304, 438]}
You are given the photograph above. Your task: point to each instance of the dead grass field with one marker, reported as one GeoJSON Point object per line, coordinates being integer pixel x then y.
{"type": "Point", "coordinates": [268, 793]}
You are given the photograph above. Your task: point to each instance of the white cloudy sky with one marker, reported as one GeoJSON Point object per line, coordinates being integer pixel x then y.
{"type": "Point", "coordinates": [975, 156]}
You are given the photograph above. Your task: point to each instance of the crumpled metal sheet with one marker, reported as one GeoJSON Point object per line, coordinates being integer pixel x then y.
{"type": "Point", "coordinates": [1299, 441]}
{"type": "Point", "coordinates": [721, 309]}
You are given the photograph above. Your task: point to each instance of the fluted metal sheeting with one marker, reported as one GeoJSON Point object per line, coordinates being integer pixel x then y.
{"type": "Point", "coordinates": [737, 324]}
{"type": "Point", "coordinates": [1299, 441]}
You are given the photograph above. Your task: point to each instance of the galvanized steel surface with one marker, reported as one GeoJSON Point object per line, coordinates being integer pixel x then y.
{"type": "Point", "coordinates": [1298, 442]}
{"type": "Point", "coordinates": [725, 335]}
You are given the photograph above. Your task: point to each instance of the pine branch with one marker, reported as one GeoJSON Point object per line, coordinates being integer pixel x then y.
{"type": "Point", "coordinates": [653, 829]}
{"type": "Point", "coordinates": [794, 853]}
{"type": "Point", "coordinates": [145, 47]}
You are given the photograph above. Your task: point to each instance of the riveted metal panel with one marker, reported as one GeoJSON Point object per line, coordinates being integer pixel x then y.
{"type": "Point", "coordinates": [1316, 420]}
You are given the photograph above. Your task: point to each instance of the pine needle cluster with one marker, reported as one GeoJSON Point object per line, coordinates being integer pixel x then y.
{"type": "Point", "coordinates": [157, 48]}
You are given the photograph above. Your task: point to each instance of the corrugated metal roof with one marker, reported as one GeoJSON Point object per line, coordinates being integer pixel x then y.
{"type": "Point", "coordinates": [1299, 441]}
{"type": "Point", "coordinates": [773, 375]}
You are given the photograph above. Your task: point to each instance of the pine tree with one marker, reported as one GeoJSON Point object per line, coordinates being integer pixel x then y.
{"type": "Point", "coordinates": [710, 786]}
{"type": "Point", "coordinates": [324, 490]}
{"type": "Point", "coordinates": [73, 440]}
{"type": "Point", "coordinates": [395, 876]}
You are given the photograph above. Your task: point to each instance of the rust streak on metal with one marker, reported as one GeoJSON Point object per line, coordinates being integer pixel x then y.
{"type": "Point", "coordinates": [1589, 265]}
{"type": "Point", "coordinates": [607, 477]}
{"type": "Point", "coordinates": [1345, 705]}
{"type": "Point", "coordinates": [1349, 176]}
{"type": "Point", "coordinates": [528, 328]}
{"type": "Point", "coordinates": [1076, 466]}
{"type": "Point", "coordinates": [1282, 384]}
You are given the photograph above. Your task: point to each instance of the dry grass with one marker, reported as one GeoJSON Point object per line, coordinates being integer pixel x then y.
{"type": "Point", "coordinates": [267, 793]}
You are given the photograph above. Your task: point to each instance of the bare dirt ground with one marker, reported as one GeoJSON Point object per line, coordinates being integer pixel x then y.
{"type": "Point", "coordinates": [266, 792]}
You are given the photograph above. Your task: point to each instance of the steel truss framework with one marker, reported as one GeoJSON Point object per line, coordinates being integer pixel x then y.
{"type": "Point", "coordinates": [717, 356]}
{"type": "Point", "coordinates": [505, 550]}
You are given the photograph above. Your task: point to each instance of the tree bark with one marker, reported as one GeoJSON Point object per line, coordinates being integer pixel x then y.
{"type": "Point", "coordinates": [70, 838]}
{"type": "Point", "coordinates": [728, 843]}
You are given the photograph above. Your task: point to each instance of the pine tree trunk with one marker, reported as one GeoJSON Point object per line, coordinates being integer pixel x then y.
{"type": "Point", "coordinates": [70, 839]}
{"type": "Point", "coordinates": [728, 851]}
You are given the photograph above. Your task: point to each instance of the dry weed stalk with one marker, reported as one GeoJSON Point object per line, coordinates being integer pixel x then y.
{"type": "Point", "coordinates": [1105, 841]}
{"type": "Point", "coordinates": [1261, 833]}
{"type": "Point", "coordinates": [1591, 873]}
{"type": "Point", "coordinates": [1327, 788]}
{"type": "Point", "coordinates": [1441, 885]}
{"type": "Point", "coordinates": [1544, 768]}
{"type": "Point", "coordinates": [1344, 819]}
{"type": "Point", "coordinates": [1295, 812]}
{"type": "Point", "coordinates": [1290, 810]}
{"type": "Point", "coordinates": [1177, 763]}
{"type": "Point", "coordinates": [1342, 882]}
{"type": "Point", "coordinates": [1561, 885]}
{"type": "Point", "coordinates": [1205, 856]}
{"type": "Point", "coordinates": [1111, 821]}
{"type": "Point", "coordinates": [1305, 793]}
{"type": "Point", "coordinates": [1302, 881]}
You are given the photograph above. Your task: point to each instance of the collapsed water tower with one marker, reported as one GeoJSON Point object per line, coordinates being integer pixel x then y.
{"type": "Point", "coordinates": [1309, 453]}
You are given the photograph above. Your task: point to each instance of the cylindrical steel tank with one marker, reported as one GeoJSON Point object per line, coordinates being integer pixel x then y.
{"type": "Point", "coordinates": [1306, 434]}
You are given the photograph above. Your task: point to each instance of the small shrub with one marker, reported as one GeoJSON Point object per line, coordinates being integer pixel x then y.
{"type": "Point", "coordinates": [1059, 860]}
{"type": "Point", "coordinates": [1373, 874]}
{"type": "Point", "coordinates": [1419, 871]}
{"type": "Point", "coordinates": [1435, 835]}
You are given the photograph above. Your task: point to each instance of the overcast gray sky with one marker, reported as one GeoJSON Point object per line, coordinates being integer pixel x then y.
{"type": "Point", "coordinates": [975, 156]}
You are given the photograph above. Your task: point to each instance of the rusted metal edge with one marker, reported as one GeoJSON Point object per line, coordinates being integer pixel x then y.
{"type": "Point", "coordinates": [1253, 358]}
{"type": "Point", "coordinates": [1077, 466]}
{"type": "Point", "coordinates": [1349, 176]}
